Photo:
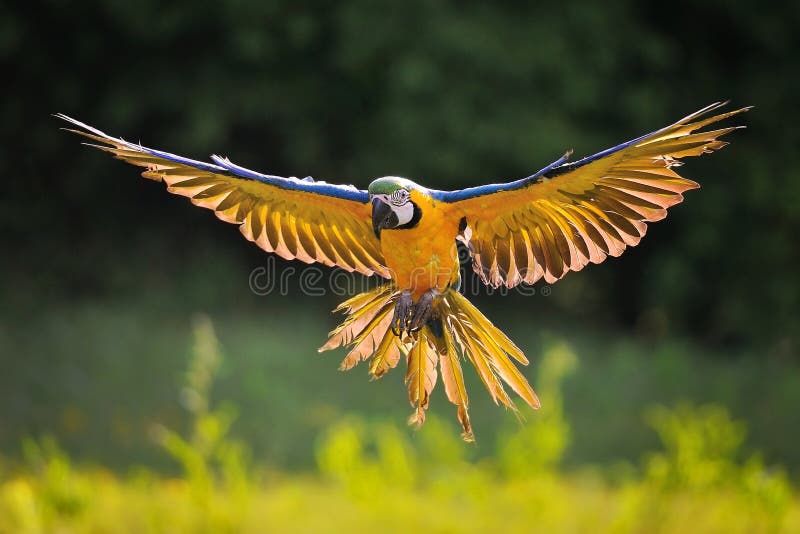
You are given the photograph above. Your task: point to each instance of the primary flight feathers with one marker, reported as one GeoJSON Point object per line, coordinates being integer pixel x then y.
{"type": "Point", "coordinates": [569, 215]}
{"type": "Point", "coordinates": [297, 219]}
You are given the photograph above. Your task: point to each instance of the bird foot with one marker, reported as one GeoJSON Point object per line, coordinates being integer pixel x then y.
{"type": "Point", "coordinates": [424, 310]}
{"type": "Point", "coordinates": [409, 318]}
{"type": "Point", "coordinates": [403, 313]}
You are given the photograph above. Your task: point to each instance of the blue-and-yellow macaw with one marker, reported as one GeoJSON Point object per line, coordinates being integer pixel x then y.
{"type": "Point", "coordinates": [560, 219]}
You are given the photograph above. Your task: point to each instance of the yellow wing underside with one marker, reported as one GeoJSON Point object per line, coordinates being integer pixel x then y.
{"type": "Point", "coordinates": [293, 224]}
{"type": "Point", "coordinates": [584, 215]}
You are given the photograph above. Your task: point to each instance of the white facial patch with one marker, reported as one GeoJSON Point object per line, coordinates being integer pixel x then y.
{"type": "Point", "coordinates": [404, 213]}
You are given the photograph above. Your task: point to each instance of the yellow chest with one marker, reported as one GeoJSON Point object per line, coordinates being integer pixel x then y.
{"type": "Point", "coordinates": [425, 256]}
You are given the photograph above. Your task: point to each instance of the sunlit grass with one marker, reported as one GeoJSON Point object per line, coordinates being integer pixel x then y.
{"type": "Point", "coordinates": [371, 476]}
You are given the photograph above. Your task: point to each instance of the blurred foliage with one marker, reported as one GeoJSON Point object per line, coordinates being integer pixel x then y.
{"type": "Point", "coordinates": [99, 377]}
{"type": "Point", "coordinates": [371, 476]}
{"type": "Point", "coordinates": [701, 446]}
{"type": "Point", "coordinates": [539, 444]}
{"type": "Point", "coordinates": [209, 458]}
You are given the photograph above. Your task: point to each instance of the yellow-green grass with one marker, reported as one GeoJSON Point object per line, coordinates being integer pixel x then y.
{"type": "Point", "coordinates": [371, 476]}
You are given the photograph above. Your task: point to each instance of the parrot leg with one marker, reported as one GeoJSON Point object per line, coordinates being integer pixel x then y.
{"type": "Point", "coordinates": [403, 311]}
{"type": "Point", "coordinates": [424, 309]}
{"type": "Point", "coordinates": [409, 318]}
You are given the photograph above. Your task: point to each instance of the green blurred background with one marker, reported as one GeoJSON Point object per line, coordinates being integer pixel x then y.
{"type": "Point", "coordinates": [102, 272]}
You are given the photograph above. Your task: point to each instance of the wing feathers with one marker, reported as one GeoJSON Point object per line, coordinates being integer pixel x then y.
{"type": "Point", "coordinates": [565, 217]}
{"type": "Point", "coordinates": [286, 216]}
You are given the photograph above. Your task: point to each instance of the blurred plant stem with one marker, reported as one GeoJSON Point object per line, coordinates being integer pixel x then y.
{"type": "Point", "coordinates": [538, 444]}
{"type": "Point", "coordinates": [210, 458]}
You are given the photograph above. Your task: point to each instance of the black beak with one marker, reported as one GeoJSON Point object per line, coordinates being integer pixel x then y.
{"type": "Point", "coordinates": [382, 216]}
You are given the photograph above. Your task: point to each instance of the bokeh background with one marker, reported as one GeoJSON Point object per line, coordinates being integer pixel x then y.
{"type": "Point", "coordinates": [103, 275]}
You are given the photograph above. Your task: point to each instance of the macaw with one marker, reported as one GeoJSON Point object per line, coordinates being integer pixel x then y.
{"type": "Point", "coordinates": [560, 219]}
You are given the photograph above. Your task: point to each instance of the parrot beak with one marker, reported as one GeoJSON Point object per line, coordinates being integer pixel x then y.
{"type": "Point", "coordinates": [382, 216]}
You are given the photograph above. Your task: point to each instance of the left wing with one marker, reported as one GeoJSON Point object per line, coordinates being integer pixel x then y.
{"type": "Point", "coordinates": [571, 214]}
{"type": "Point", "coordinates": [296, 219]}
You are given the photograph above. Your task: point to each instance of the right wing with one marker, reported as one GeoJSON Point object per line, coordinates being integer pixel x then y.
{"type": "Point", "coordinates": [571, 214]}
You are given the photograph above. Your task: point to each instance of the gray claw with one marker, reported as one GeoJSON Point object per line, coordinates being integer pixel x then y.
{"type": "Point", "coordinates": [403, 308]}
{"type": "Point", "coordinates": [424, 310]}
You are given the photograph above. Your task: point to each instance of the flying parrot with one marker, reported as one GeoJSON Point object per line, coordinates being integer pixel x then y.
{"type": "Point", "coordinates": [560, 219]}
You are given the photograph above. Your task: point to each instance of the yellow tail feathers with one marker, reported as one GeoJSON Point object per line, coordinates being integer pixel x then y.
{"type": "Point", "coordinates": [461, 331]}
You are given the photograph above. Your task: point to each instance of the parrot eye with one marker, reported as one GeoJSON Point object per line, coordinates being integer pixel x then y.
{"type": "Point", "coordinates": [399, 197]}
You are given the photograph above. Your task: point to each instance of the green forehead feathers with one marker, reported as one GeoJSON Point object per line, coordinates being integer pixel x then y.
{"type": "Point", "coordinates": [389, 184]}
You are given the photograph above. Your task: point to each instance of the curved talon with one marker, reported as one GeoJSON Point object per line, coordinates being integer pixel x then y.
{"type": "Point", "coordinates": [409, 318]}
{"type": "Point", "coordinates": [423, 312]}
{"type": "Point", "coordinates": [403, 308]}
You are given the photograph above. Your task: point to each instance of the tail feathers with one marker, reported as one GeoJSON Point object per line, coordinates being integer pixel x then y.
{"type": "Point", "coordinates": [421, 375]}
{"type": "Point", "coordinates": [360, 310]}
{"type": "Point", "coordinates": [488, 349]}
{"type": "Point", "coordinates": [460, 331]}
{"type": "Point", "coordinates": [366, 330]}
{"type": "Point", "coordinates": [453, 379]}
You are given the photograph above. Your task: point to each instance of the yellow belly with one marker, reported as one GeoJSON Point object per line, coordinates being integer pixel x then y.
{"type": "Point", "coordinates": [423, 257]}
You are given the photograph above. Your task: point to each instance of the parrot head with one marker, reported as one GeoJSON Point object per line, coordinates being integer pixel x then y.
{"type": "Point", "coordinates": [392, 207]}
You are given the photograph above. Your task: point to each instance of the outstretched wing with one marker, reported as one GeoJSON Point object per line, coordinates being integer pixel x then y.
{"type": "Point", "coordinates": [571, 214]}
{"type": "Point", "coordinates": [303, 219]}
